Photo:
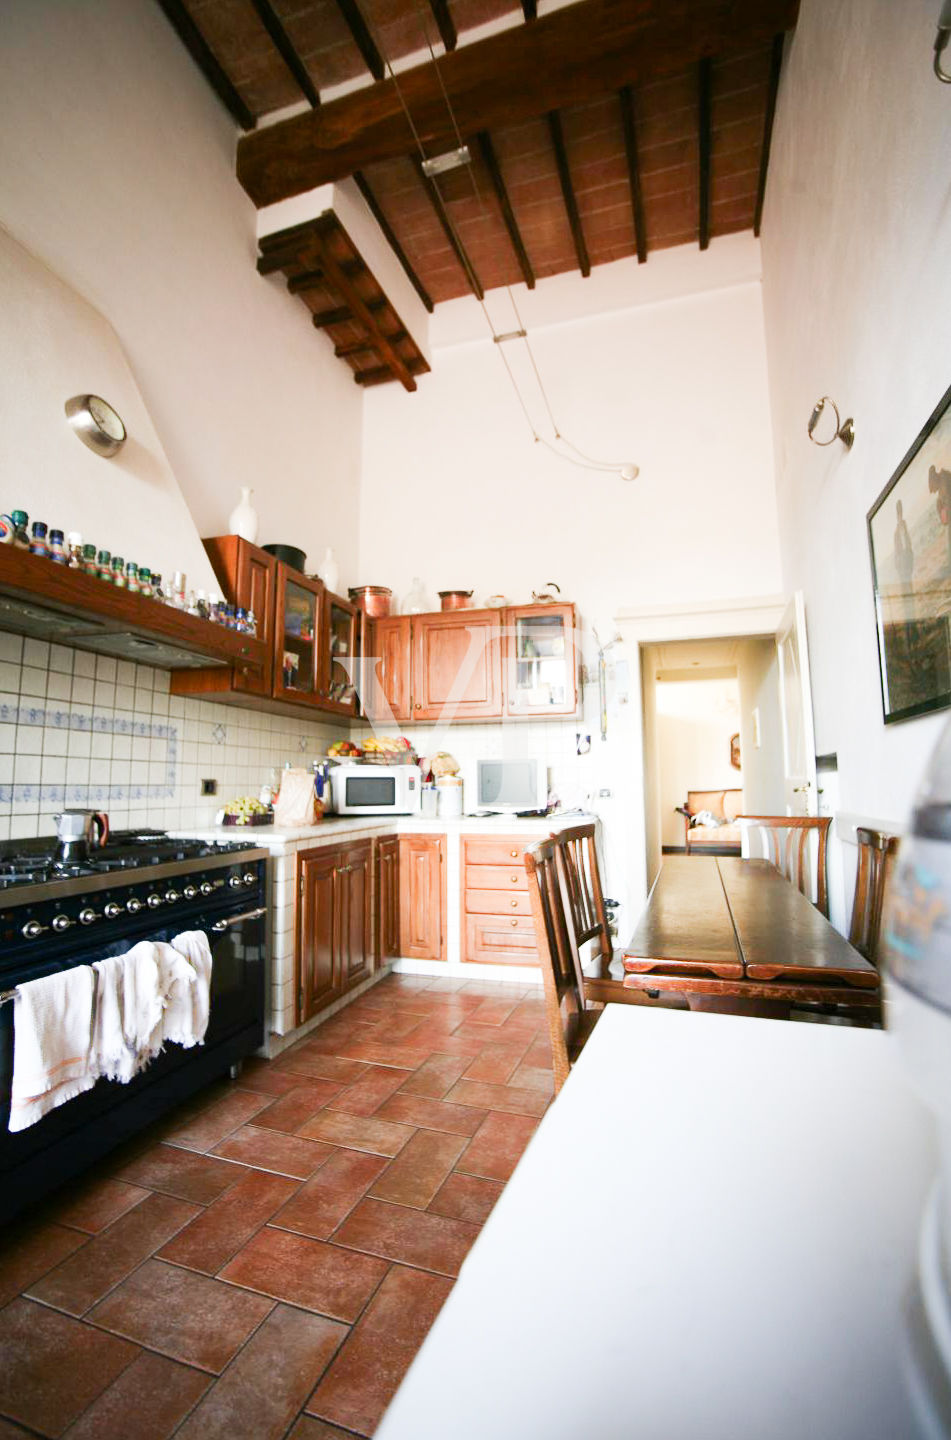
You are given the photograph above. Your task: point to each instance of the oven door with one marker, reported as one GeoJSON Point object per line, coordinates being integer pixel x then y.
{"type": "Point", "coordinates": [35, 1160]}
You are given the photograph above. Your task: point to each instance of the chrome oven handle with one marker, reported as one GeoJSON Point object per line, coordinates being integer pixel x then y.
{"type": "Point", "coordinates": [220, 925]}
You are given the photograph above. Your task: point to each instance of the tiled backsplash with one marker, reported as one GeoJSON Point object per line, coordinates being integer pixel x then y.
{"type": "Point", "coordinates": [92, 732]}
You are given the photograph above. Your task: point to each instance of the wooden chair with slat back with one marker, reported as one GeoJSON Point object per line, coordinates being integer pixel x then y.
{"type": "Point", "coordinates": [569, 1021]}
{"type": "Point", "coordinates": [786, 840]}
{"type": "Point", "coordinates": [877, 852]}
{"type": "Point", "coordinates": [585, 916]}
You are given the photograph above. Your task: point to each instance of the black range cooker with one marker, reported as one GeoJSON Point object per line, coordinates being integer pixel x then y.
{"type": "Point", "coordinates": [140, 885]}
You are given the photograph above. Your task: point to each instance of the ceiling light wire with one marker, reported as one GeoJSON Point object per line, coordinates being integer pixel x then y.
{"type": "Point", "coordinates": [584, 462]}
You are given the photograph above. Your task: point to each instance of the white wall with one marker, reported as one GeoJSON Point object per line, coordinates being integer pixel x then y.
{"type": "Point", "coordinates": [695, 720]}
{"type": "Point", "coordinates": [118, 172]}
{"type": "Point", "coordinates": [857, 287]}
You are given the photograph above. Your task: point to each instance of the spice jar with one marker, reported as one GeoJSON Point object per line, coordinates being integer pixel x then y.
{"type": "Point", "coordinates": [57, 549]}
{"type": "Point", "coordinates": [39, 545]}
{"type": "Point", "coordinates": [145, 582]}
{"type": "Point", "coordinates": [20, 521]}
{"type": "Point", "coordinates": [118, 572]}
{"type": "Point", "coordinates": [104, 566]}
{"type": "Point", "coordinates": [74, 550]}
{"type": "Point", "coordinates": [89, 560]}
{"type": "Point", "coordinates": [157, 592]}
{"type": "Point", "coordinates": [132, 577]}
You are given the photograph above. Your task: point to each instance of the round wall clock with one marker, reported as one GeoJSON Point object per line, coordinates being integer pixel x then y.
{"type": "Point", "coordinates": [96, 423]}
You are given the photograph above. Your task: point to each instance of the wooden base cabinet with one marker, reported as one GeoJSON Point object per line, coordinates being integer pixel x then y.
{"type": "Point", "coordinates": [388, 897]}
{"type": "Point", "coordinates": [497, 924]}
{"type": "Point", "coordinates": [422, 865]}
{"type": "Point", "coordinates": [335, 930]}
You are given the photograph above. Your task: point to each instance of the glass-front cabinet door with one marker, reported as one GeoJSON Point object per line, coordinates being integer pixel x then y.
{"type": "Point", "coordinates": [340, 654]}
{"type": "Point", "coordinates": [297, 656]}
{"type": "Point", "coordinates": [541, 662]}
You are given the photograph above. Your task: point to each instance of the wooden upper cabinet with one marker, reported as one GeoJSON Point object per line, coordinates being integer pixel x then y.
{"type": "Point", "coordinates": [338, 677]}
{"type": "Point", "coordinates": [541, 660]}
{"type": "Point", "coordinates": [422, 875]}
{"type": "Point", "coordinates": [387, 683]}
{"type": "Point", "coordinates": [298, 632]}
{"type": "Point", "coordinates": [247, 577]}
{"type": "Point", "coordinates": [457, 656]}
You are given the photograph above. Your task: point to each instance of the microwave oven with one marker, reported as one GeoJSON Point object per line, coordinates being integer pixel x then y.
{"type": "Point", "coordinates": [376, 789]}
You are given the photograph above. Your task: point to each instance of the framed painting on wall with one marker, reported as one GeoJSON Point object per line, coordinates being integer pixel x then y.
{"type": "Point", "coordinates": [909, 534]}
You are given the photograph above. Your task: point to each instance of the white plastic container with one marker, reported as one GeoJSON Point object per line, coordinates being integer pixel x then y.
{"type": "Point", "coordinates": [449, 792]}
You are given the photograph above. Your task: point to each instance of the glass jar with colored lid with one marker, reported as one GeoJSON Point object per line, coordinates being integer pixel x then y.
{"type": "Point", "coordinates": [57, 549]}
{"type": "Point", "coordinates": [39, 545]}
{"type": "Point", "coordinates": [20, 521]}
{"type": "Point", "coordinates": [104, 565]}
{"type": "Point", "coordinates": [89, 560]}
{"type": "Point", "coordinates": [118, 572]}
{"type": "Point", "coordinates": [132, 577]}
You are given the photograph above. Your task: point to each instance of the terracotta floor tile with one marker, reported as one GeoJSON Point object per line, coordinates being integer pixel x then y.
{"type": "Point", "coordinates": [466, 1197]}
{"type": "Point", "coordinates": [408, 1109]}
{"type": "Point", "coordinates": [9, 1431]}
{"type": "Point", "coordinates": [182, 1173]}
{"type": "Point", "coordinates": [218, 1232]}
{"type": "Point", "coordinates": [263, 1389]}
{"type": "Point", "coordinates": [497, 1146]}
{"type": "Point", "coordinates": [84, 1278]}
{"type": "Point", "coordinates": [216, 1122]}
{"type": "Point", "coordinates": [358, 1132]}
{"type": "Point", "coordinates": [271, 1150]}
{"type": "Point", "coordinates": [435, 1076]}
{"type": "Point", "coordinates": [420, 1168]}
{"type": "Point", "coordinates": [264, 1077]}
{"type": "Point", "coordinates": [320, 1204]}
{"type": "Point", "coordinates": [307, 1428]}
{"type": "Point", "coordinates": [186, 1316]}
{"type": "Point", "coordinates": [496, 1063]}
{"type": "Point", "coordinates": [539, 1054]}
{"type": "Point", "coordinates": [363, 1379]}
{"type": "Point", "coordinates": [148, 1401]}
{"type": "Point", "coordinates": [298, 1105]}
{"type": "Point", "coordinates": [29, 1251]}
{"type": "Point", "coordinates": [512, 1099]}
{"type": "Point", "coordinates": [534, 1077]}
{"type": "Point", "coordinates": [94, 1205]}
{"type": "Point", "coordinates": [494, 1011]}
{"type": "Point", "coordinates": [306, 1272]}
{"type": "Point", "coordinates": [412, 1237]}
{"type": "Point", "coordinates": [52, 1367]}
{"type": "Point", "coordinates": [367, 1094]}
{"type": "Point", "coordinates": [322, 1067]}
{"type": "Point", "coordinates": [375, 1052]}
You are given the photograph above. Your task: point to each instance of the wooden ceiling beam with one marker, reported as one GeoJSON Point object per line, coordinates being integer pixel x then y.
{"type": "Point", "coordinates": [285, 48]}
{"type": "Point", "coordinates": [373, 205]}
{"type": "Point", "coordinates": [775, 68]}
{"type": "Point", "coordinates": [363, 314]}
{"type": "Point", "coordinates": [505, 206]}
{"type": "Point", "coordinates": [362, 38]}
{"type": "Point", "coordinates": [705, 128]}
{"type": "Point", "coordinates": [357, 347]}
{"type": "Point", "coordinates": [324, 319]}
{"type": "Point", "coordinates": [626, 97]}
{"type": "Point", "coordinates": [568, 191]}
{"type": "Point", "coordinates": [565, 58]}
{"type": "Point", "coordinates": [201, 52]}
{"type": "Point", "coordinates": [442, 215]}
{"type": "Point", "coordinates": [444, 20]}
{"type": "Point", "coordinates": [379, 375]}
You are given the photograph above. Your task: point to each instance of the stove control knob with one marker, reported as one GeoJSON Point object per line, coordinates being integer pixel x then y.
{"type": "Point", "coordinates": [112, 911]}
{"type": "Point", "coordinates": [154, 901]}
{"type": "Point", "coordinates": [206, 887]}
{"type": "Point", "coordinates": [189, 892]}
{"type": "Point", "coordinates": [249, 878]}
{"type": "Point", "coordinates": [61, 922]}
{"type": "Point", "coordinates": [87, 915]}
{"type": "Point", "coordinates": [235, 882]}
{"type": "Point", "coordinates": [172, 897]}
{"type": "Point", "coordinates": [133, 906]}
{"type": "Point", "coordinates": [33, 929]}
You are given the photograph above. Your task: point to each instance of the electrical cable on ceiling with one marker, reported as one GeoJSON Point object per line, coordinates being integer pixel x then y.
{"type": "Point", "coordinates": [627, 470]}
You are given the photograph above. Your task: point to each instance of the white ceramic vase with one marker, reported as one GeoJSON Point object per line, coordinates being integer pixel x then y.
{"type": "Point", "coordinates": [243, 519]}
{"type": "Point", "coordinates": [329, 571]}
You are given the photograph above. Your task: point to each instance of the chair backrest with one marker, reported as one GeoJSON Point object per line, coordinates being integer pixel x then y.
{"type": "Point", "coordinates": [787, 840]}
{"type": "Point", "coordinates": [586, 919]}
{"type": "Point", "coordinates": [561, 973]}
{"type": "Point", "coordinates": [877, 852]}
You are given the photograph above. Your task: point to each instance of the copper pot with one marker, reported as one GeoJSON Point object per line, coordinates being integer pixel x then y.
{"type": "Point", "coordinates": [373, 600]}
{"type": "Point", "coordinates": [455, 599]}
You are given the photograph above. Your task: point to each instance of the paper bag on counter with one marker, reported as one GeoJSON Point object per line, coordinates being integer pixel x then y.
{"type": "Point", "coordinates": [296, 803]}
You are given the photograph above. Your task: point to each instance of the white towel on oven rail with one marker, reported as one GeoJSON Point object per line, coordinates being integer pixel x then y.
{"type": "Point", "coordinates": [129, 1007]}
{"type": "Point", "coordinates": [178, 982]}
{"type": "Point", "coordinates": [193, 944]}
{"type": "Point", "coordinates": [52, 1034]}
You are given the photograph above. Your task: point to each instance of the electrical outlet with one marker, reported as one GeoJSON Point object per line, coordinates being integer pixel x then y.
{"type": "Point", "coordinates": [209, 787]}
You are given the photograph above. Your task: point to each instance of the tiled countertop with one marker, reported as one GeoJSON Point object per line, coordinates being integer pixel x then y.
{"type": "Point", "coordinates": [337, 827]}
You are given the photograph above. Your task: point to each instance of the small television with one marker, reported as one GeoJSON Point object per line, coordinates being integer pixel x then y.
{"type": "Point", "coordinates": [503, 787]}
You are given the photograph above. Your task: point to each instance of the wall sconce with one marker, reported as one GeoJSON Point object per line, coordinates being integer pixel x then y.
{"type": "Point", "coordinates": [844, 429]}
{"type": "Point", "coordinates": [941, 40]}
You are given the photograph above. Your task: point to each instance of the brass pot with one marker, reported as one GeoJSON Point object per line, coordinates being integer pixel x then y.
{"type": "Point", "coordinates": [455, 599]}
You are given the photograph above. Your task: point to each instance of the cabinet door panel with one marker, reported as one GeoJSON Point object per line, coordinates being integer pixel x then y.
{"type": "Point", "coordinates": [356, 915]}
{"type": "Point", "coordinates": [541, 663]}
{"type": "Point", "coordinates": [388, 681]}
{"type": "Point", "coordinates": [498, 940]}
{"type": "Point", "coordinates": [339, 657]}
{"type": "Point", "coordinates": [317, 942]}
{"type": "Point", "coordinates": [247, 577]}
{"type": "Point", "coordinates": [457, 657]}
{"type": "Point", "coordinates": [422, 896]}
{"type": "Point", "coordinates": [388, 897]}
{"type": "Point", "coordinates": [298, 632]}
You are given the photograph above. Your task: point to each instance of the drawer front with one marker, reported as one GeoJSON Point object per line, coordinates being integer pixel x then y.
{"type": "Point", "coordinates": [499, 940]}
{"type": "Point", "coordinates": [498, 902]}
{"type": "Point", "coordinates": [496, 849]}
{"type": "Point", "coordinates": [496, 877]}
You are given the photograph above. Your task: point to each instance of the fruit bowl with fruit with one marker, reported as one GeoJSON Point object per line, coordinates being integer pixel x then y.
{"type": "Point", "coordinates": [246, 811]}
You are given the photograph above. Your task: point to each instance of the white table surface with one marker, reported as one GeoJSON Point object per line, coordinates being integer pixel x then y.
{"type": "Point", "coordinates": [711, 1235]}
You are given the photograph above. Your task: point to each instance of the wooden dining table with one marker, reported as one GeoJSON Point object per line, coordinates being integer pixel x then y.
{"type": "Point", "coordinates": [727, 933]}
